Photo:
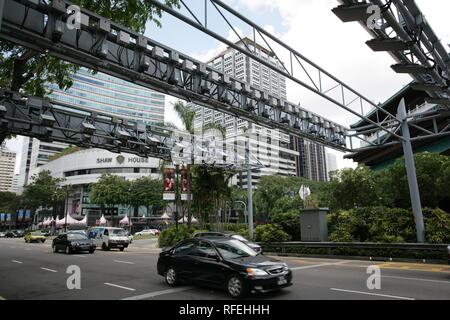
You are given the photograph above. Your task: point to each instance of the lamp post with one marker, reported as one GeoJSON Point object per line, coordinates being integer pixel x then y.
{"type": "Point", "coordinates": [245, 213]}
{"type": "Point", "coordinates": [67, 207]}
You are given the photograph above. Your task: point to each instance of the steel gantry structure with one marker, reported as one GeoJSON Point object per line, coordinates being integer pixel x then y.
{"type": "Point", "coordinates": [103, 45]}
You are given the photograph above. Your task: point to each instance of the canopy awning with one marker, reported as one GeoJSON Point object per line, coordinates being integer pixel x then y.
{"type": "Point", "coordinates": [125, 221]}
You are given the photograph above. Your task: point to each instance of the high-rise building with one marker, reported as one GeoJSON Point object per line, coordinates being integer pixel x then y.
{"type": "Point", "coordinates": [331, 164]}
{"type": "Point", "coordinates": [278, 152]}
{"type": "Point", "coordinates": [7, 167]}
{"type": "Point", "coordinates": [95, 92]}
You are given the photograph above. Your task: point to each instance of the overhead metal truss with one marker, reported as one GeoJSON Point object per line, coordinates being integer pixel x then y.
{"type": "Point", "coordinates": [403, 31]}
{"type": "Point", "coordinates": [58, 122]}
{"type": "Point", "coordinates": [105, 46]}
{"type": "Point", "coordinates": [54, 121]}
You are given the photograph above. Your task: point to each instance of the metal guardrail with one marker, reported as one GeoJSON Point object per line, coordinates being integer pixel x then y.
{"type": "Point", "coordinates": [414, 250]}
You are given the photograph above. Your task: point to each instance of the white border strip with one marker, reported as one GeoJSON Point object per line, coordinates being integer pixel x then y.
{"type": "Point", "coordinates": [157, 293]}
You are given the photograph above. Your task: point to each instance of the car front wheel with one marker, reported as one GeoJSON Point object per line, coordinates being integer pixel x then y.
{"type": "Point", "coordinates": [171, 277]}
{"type": "Point", "coordinates": [55, 250]}
{"type": "Point", "coordinates": [236, 287]}
{"type": "Point", "coordinates": [68, 250]}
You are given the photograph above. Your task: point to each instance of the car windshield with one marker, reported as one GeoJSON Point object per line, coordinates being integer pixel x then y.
{"type": "Point", "coordinates": [240, 238]}
{"type": "Point", "coordinates": [118, 232]}
{"type": "Point", "coordinates": [76, 236]}
{"type": "Point", "coordinates": [234, 249]}
{"type": "Point", "coordinates": [36, 233]}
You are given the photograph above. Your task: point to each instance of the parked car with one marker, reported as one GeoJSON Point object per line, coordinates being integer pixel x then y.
{"type": "Point", "coordinates": [2, 234]}
{"type": "Point", "coordinates": [151, 232]}
{"type": "Point", "coordinates": [223, 263]}
{"type": "Point", "coordinates": [14, 234]}
{"type": "Point", "coordinates": [109, 238]}
{"type": "Point", "coordinates": [36, 236]}
{"type": "Point", "coordinates": [256, 247]}
{"type": "Point", "coordinates": [73, 242]}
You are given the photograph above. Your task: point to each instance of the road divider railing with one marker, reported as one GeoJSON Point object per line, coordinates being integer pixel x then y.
{"type": "Point", "coordinates": [373, 251]}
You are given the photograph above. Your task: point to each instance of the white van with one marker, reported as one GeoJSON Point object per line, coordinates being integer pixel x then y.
{"type": "Point", "coordinates": [109, 238]}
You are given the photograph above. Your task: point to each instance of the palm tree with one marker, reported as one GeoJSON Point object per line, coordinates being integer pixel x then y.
{"type": "Point", "coordinates": [218, 179]}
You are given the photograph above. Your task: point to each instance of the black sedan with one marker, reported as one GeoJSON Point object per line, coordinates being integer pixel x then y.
{"type": "Point", "coordinates": [256, 247]}
{"type": "Point", "coordinates": [223, 263]}
{"type": "Point", "coordinates": [73, 242]}
{"type": "Point", "coordinates": [14, 234]}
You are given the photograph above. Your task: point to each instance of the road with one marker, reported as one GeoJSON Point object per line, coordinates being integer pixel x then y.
{"type": "Point", "coordinates": [33, 271]}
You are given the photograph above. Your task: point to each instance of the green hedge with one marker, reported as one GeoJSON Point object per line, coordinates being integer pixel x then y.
{"type": "Point", "coordinates": [270, 233]}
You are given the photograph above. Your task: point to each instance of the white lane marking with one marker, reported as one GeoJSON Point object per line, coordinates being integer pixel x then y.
{"type": "Point", "coordinates": [157, 293]}
{"type": "Point", "coordinates": [372, 294]}
{"type": "Point", "coordinates": [117, 286]}
{"type": "Point", "coordinates": [320, 265]}
{"type": "Point", "coordinates": [416, 279]}
{"type": "Point", "coordinates": [16, 261]}
{"type": "Point", "coordinates": [50, 270]}
{"type": "Point", "coordinates": [125, 262]}
{"type": "Point", "coordinates": [1, 298]}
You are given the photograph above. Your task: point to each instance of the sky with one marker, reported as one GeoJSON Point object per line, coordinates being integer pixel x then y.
{"type": "Point", "coordinates": [309, 27]}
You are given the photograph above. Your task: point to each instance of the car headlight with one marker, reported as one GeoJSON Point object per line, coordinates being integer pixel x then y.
{"type": "Point", "coordinates": [256, 272]}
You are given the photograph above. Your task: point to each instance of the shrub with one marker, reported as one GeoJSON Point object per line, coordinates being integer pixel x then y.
{"type": "Point", "coordinates": [270, 233]}
{"type": "Point", "coordinates": [289, 222]}
{"type": "Point", "coordinates": [171, 236]}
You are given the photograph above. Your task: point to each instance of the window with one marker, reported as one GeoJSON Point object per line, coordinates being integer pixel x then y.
{"type": "Point", "coordinates": [184, 249]}
{"type": "Point", "coordinates": [204, 249]}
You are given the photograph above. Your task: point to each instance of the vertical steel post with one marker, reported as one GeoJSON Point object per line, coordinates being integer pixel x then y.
{"type": "Point", "coordinates": [2, 4]}
{"type": "Point", "coordinates": [411, 172]}
{"type": "Point", "coordinates": [249, 188]}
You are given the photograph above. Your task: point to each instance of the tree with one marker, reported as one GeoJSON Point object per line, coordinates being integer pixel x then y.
{"type": "Point", "coordinates": [351, 188]}
{"type": "Point", "coordinates": [21, 68]}
{"type": "Point", "coordinates": [9, 202]}
{"type": "Point", "coordinates": [433, 177]}
{"type": "Point", "coordinates": [44, 191]}
{"type": "Point", "coordinates": [147, 192]}
{"type": "Point", "coordinates": [109, 191]}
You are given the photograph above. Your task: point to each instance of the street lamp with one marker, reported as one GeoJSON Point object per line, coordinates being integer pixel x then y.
{"type": "Point", "coordinates": [67, 207]}
{"type": "Point", "coordinates": [245, 206]}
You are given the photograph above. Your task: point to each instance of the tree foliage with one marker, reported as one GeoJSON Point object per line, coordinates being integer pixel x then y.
{"type": "Point", "coordinates": [147, 192]}
{"type": "Point", "coordinates": [110, 190]}
{"type": "Point", "coordinates": [43, 191]}
{"type": "Point", "coordinates": [9, 202]}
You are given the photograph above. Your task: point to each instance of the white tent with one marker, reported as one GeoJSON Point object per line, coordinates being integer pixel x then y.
{"type": "Point", "coordinates": [83, 222]}
{"type": "Point", "coordinates": [124, 221]}
{"type": "Point", "coordinates": [103, 220]}
{"type": "Point", "coordinates": [67, 220]}
{"type": "Point", "coordinates": [185, 220]}
{"type": "Point", "coordinates": [165, 216]}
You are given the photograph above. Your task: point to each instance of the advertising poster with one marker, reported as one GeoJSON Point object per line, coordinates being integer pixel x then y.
{"type": "Point", "coordinates": [185, 184]}
{"type": "Point", "coordinates": [169, 184]}
{"type": "Point", "coordinates": [2, 217]}
{"type": "Point", "coordinates": [8, 217]}
{"type": "Point", "coordinates": [27, 215]}
{"type": "Point", "coordinates": [20, 215]}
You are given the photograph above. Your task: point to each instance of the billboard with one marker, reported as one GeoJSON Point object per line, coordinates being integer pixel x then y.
{"type": "Point", "coordinates": [169, 184]}
{"type": "Point", "coordinates": [20, 216]}
{"type": "Point", "coordinates": [27, 215]}
{"type": "Point", "coordinates": [2, 217]}
{"type": "Point", "coordinates": [8, 217]}
{"type": "Point", "coordinates": [185, 184]}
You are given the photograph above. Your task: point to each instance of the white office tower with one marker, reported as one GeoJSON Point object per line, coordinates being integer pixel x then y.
{"type": "Point", "coordinates": [331, 164]}
{"type": "Point", "coordinates": [7, 167]}
{"type": "Point", "coordinates": [276, 151]}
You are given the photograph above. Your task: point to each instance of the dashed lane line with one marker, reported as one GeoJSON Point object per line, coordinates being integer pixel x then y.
{"type": "Point", "coordinates": [372, 294]}
{"type": "Point", "coordinates": [49, 270]}
{"type": "Point", "coordinates": [120, 287]}
{"type": "Point", "coordinates": [157, 293]}
{"type": "Point", "coordinates": [124, 262]}
{"type": "Point", "coordinates": [17, 261]}
{"type": "Point", "coordinates": [320, 265]}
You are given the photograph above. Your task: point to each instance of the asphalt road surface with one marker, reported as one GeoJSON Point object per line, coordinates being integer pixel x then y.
{"type": "Point", "coordinates": [33, 271]}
